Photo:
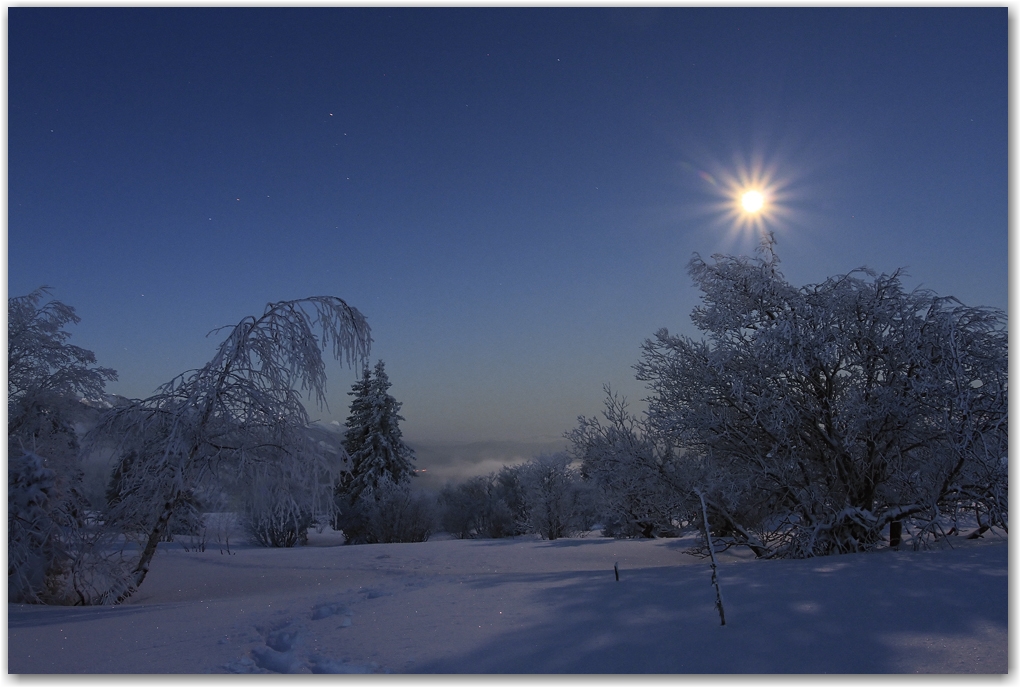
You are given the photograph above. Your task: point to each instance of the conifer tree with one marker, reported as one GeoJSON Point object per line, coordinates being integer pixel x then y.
{"type": "Point", "coordinates": [373, 439]}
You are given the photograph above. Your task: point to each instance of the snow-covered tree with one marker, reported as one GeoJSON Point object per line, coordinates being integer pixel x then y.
{"type": "Point", "coordinates": [379, 457]}
{"type": "Point", "coordinates": [36, 557]}
{"type": "Point", "coordinates": [641, 488]}
{"type": "Point", "coordinates": [507, 488]}
{"type": "Point", "coordinates": [817, 416]}
{"type": "Point", "coordinates": [559, 504]}
{"type": "Point", "coordinates": [492, 505]}
{"type": "Point", "coordinates": [545, 495]}
{"type": "Point", "coordinates": [47, 379]}
{"type": "Point", "coordinates": [239, 419]}
{"type": "Point", "coordinates": [373, 439]}
{"type": "Point", "coordinates": [463, 507]}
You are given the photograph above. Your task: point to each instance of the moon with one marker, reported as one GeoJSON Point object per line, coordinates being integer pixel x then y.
{"type": "Point", "coordinates": [752, 201]}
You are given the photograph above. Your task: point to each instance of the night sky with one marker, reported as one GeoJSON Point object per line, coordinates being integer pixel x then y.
{"type": "Point", "coordinates": [510, 196]}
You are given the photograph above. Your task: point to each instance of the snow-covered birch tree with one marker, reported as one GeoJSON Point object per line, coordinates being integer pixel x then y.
{"type": "Point", "coordinates": [824, 413]}
{"type": "Point", "coordinates": [238, 419]}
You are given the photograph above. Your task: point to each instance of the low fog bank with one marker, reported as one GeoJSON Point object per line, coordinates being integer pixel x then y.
{"type": "Point", "coordinates": [442, 462]}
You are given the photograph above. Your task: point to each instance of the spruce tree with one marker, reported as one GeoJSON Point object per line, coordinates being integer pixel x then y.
{"type": "Point", "coordinates": [373, 439]}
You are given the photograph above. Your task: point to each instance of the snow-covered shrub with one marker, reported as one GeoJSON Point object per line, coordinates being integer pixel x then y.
{"type": "Point", "coordinates": [559, 504]}
{"type": "Point", "coordinates": [280, 503]}
{"type": "Point", "coordinates": [498, 521]}
{"type": "Point", "coordinates": [402, 515]}
{"type": "Point", "coordinates": [274, 519]}
{"type": "Point", "coordinates": [462, 505]}
{"type": "Point", "coordinates": [545, 495]}
{"type": "Point", "coordinates": [639, 486]}
{"type": "Point", "coordinates": [388, 513]}
{"type": "Point", "coordinates": [352, 516]}
{"type": "Point", "coordinates": [478, 507]}
{"type": "Point", "coordinates": [36, 560]}
{"type": "Point", "coordinates": [508, 489]}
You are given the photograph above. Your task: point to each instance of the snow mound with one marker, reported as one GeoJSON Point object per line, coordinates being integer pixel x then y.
{"type": "Point", "coordinates": [326, 610]}
{"type": "Point", "coordinates": [276, 661]}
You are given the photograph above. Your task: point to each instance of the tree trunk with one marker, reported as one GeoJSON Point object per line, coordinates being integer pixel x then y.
{"type": "Point", "coordinates": [895, 533]}
{"type": "Point", "coordinates": [151, 544]}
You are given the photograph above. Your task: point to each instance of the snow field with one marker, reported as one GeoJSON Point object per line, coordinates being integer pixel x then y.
{"type": "Point", "coordinates": [530, 606]}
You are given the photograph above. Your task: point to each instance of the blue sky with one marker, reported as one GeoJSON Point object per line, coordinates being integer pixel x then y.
{"type": "Point", "coordinates": [510, 196]}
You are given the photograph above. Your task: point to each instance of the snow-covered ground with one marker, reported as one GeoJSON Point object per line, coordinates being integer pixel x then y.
{"type": "Point", "coordinates": [532, 606]}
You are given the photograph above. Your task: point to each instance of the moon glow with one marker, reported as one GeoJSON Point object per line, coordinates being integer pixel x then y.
{"type": "Point", "coordinates": [752, 201]}
{"type": "Point", "coordinates": [751, 198]}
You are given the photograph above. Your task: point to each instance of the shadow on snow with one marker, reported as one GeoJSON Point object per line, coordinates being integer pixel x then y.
{"type": "Point", "coordinates": [865, 613]}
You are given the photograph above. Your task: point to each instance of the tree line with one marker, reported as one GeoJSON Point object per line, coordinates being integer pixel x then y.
{"type": "Point", "coordinates": [805, 421]}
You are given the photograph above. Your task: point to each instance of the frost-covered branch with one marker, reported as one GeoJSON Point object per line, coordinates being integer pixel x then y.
{"type": "Point", "coordinates": [239, 419]}
{"type": "Point", "coordinates": [815, 416]}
